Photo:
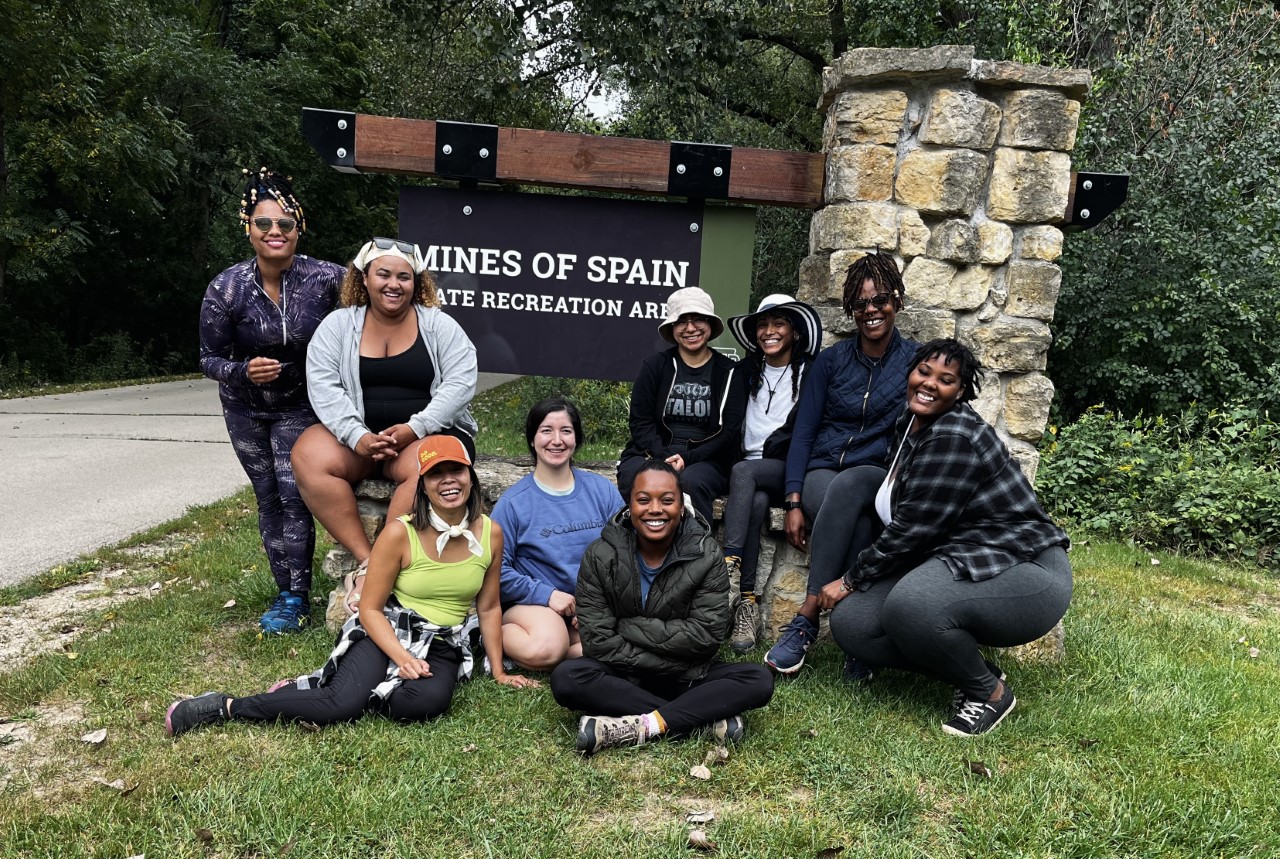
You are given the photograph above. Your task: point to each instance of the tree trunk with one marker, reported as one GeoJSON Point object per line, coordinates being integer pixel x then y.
{"type": "Point", "coordinates": [4, 189]}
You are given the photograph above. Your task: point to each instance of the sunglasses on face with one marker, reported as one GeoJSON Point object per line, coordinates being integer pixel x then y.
{"type": "Point", "coordinates": [263, 223]}
{"type": "Point", "coordinates": [880, 300]}
{"type": "Point", "coordinates": [384, 244]}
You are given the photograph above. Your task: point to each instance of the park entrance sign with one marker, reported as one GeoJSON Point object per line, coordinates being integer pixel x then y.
{"type": "Point", "coordinates": [573, 286]}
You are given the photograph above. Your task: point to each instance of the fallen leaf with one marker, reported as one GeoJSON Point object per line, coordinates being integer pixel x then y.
{"type": "Point", "coordinates": [698, 840]}
{"type": "Point", "coordinates": [1086, 744]}
{"type": "Point", "coordinates": [469, 747]}
{"type": "Point", "coordinates": [204, 834]}
{"type": "Point", "coordinates": [309, 726]}
{"type": "Point", "coordinates": [700, 817]}
{"type": "Point", "coordinates": [67, 629]}
{"type": "Point", "coordinates": [156, 586]}
{"type": "Point", "coordinates": [717, 756]}
{"type": "Point", "coordinates": [1155, 562]}
{"type": "Point", "coordinates": [116, 784]}
{"type": "Point", "coordinates": [830, 852]}
{"type": "Point", "coordinates": [1242, 640]}
{"type": "Point", "coordinates": [72, 655]}
{"type": "Point", "coordinates": [171, 581]}
{"type": "Point", "coordinates": [293, 652]}
{"type": "Point", "coordinates": [700, 771]}
{"type": "Point", "coordinates": [978, 768]}
{"type": "Point", "coordinates": [229, 604]}
{"type": "Point", "coordinates": [95, 738]}
{"type": "Point", "coordinates": [1253, 652]}
{"type": "Point", "coordinates": [813, 732]}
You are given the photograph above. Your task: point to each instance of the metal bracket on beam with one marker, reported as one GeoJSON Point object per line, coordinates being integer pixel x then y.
{"type": "Point", "coordinates": [332, 133]}
{"type": "Point", "coordinates": [466, 151]}
{"type": "Point", "coordinates": [1093, 197]}
{"type": "Point", "coordinates": [699, 170]}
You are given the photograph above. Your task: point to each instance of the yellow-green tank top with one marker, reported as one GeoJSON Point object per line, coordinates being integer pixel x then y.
{"type": "Point", "coordinates": [442, 593]}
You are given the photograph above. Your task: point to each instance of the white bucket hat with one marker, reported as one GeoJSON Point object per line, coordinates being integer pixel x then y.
{"type": "Point", "coordinates": [691, 299]}
{"type": "Point", "coordinates": [809, 327]}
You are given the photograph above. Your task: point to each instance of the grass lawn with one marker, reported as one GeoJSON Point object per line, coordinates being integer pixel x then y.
{"type": "Point", "coordinates": [1156, 736]}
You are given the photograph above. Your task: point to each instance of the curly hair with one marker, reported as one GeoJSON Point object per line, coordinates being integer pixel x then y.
{"type": "Point", "coordinates": [268, 184]}
{"type": "Point", "coordinates": [952, 351]}
{"type": "Point", "coordinates": [882, 270]}
{"type": "Point", "coordinates": [354, 293]}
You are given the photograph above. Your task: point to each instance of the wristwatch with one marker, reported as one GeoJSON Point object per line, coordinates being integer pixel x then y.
{"type": "Point", "coordinates": [791, 505]}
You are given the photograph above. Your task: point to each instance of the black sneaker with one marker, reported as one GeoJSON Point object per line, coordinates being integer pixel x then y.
{"type": "Point", "coordinates": [206, 709]}
{"type": "Point", "coordinates": [724, 731]}
{"type": "Point", "coordinates": [856, 671]}
{"type": "Point", "coordinates": [976, 717]}
{"type": "Point", "coordinates": [958, 696]}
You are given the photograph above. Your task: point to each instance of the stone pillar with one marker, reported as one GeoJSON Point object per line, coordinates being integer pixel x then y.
{"type": "Point", "coordinates": [960, 168]}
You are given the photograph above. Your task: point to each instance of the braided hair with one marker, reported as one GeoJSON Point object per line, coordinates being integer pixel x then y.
{"type": "Point", "coordinates": [882, 270]}
{"type": "Point", "coordinates": [755, 357]}
{"type": "Point", "coordinates": [269, 185]}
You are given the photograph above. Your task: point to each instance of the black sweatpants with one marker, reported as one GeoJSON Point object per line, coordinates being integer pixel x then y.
{"type": "Point", "coordinates": [347, 696]}
{"type": "Point", "coordinates": [598, 689]}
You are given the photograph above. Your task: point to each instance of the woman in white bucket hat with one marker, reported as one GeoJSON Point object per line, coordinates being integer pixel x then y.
{"type": "Point", "coordinates": [686, 404]}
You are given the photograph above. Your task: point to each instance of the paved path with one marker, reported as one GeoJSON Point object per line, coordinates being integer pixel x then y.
{"type": "Point", "coordinates": [82, 471]}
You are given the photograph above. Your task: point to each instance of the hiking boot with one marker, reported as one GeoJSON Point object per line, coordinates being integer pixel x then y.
{"type": "Point", "coordinates": [208, 708]}
{"type": "Point", "coordinates": [746, 626]}
{"type": "Point", "coordinates": [290, 612]}
{"type": "Point", "coordinates": [958, 696]}
{"type": "Point", "coordinates": [507, 665]}
{"type": "Point", "coordinates": [856, 671]}
{"type": "Point", "coordinates": [976, 717]}
{"type": "Point", "coordinates": [605, 732]}
{"type": "Point", "coordinates": [724, 731]}
{"type": "Point", "coordinates": [787, 656]}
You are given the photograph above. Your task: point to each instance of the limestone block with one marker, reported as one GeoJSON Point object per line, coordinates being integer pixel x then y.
{"type": "Point", "coordinates": [375, 489]}
{"type": "Point", "coordinates": [922, 324]}
{"type": "Point", "coordinates": [335, 613]}
{"type": "Point", "coordinates": [960, 117]}
{"type": "Point", "coordinates": [995, 242]}
{"type": "Point", "coordinates": [990, 398]}
{"type": "Point", "coordinates": [859, 173]}
{"type": "Point", "coordinates": [1026, 455]}
{"type": "Point", "coordinates": [874, 116]}
{"type": "Point", "coordinates": [945, 182]}
{"type": "Point", "coordinates": [854, 225]}
{"type": "Point", "coordinates": [969, 288]}
{"type": "Point", "coordinates": [928, 281]}
{"type": "Point", "coordinates": [1049, 649]}
{"type": "Point", "coordinates": [1010, 345]}
{"type": "Point", "coordinates": [861, 66]}
{"type": "Point", "coordinates": [1028, 187]}
{"type": "Point", "coordinates": [913, 235]}
{"type": "Point", "coordinates": [337, 563]}
{"type": "Point", "coordinates": [372, 521]}
{"type": "Point", "coordinates": [835, 325]}
{"type": "Point", "coordinates": [1041, 242]}
{"type": "Point", "coordinates": [954, 241]}
{"type": "Point", "coordinates": [1026, 407]}
{"type": "Point", "coordinates": [1033, 289]}
{"type": "Point", "coordinates": [1039, 119]}
{"type": "Point", "coordinates": [1074, 82]}
{"type": "Point", "coordinates": [815, 279]}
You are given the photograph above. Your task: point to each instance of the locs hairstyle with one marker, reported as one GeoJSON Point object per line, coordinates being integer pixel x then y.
{"type": "Point", "coordinates": [268, 184]}
{"type": "Point", "coordinates": [882, 270]}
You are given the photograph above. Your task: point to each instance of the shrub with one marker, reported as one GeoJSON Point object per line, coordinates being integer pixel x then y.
{"type": "Point", "coordinates": [1201, 482]}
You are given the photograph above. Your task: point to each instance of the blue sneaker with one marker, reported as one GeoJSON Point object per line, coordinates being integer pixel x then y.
{"type": "Point", "coordinates": [289, 612]}
{"type": "Point", "coordinates": [787, 656]}
{"type": "Point", "coordinates": [856, 671]}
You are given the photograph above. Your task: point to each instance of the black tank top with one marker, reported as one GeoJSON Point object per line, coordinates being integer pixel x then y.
{"type": "Point", "coordinates": [397, 387]}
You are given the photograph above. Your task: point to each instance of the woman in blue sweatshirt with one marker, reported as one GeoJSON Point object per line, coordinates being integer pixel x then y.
{"type": "Point", "coordinates": [549, 518]}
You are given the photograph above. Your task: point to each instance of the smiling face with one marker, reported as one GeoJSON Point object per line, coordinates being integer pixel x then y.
{"type": "Point", "coordinates": [776, 337]}
{"type": "Point", "coordinates": [389, 281]}
{"type": "Point", "coordinates": [554, 441]}
{"type": "Point", "coordinates": [933, 388]}
{"type": "Point", "coordinates": [656, 507]}
{"type": "Point", "coordinates": [693, 334]}
{"type": "Point", "coordinates": [272, 246]}
{"type": "Point", "coordinates": [448, 486]}
{"type": "Point", "coordinates": [875, 324]}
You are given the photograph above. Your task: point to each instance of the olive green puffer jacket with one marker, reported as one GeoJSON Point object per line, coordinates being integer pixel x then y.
{"type": "Point", "coordinates": [686, 618]}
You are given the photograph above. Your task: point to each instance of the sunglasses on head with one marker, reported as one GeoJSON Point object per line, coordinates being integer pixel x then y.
{"type": "Point", "coordinates": [880, 300]}
{"type": "Point", "coordinates": [263, 223]}
{"type": "Point", "coordinates": [385, 244]}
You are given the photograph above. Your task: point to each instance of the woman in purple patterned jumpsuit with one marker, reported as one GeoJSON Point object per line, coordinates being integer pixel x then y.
{"type": "Point", "coordinates": [255, 323]}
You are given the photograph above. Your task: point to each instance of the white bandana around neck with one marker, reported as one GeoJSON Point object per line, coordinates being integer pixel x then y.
{"type": "Point", "coordinates": [447, 531]}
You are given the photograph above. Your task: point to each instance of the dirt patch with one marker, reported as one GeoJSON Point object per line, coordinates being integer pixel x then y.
{"type": "Point", "coordinates": [32, 744]}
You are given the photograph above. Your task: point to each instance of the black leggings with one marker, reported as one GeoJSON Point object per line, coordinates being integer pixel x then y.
{"type": "Point", "coordinates": [926, 621]}
{"type": "Point", "coordinates": [348, 695]}
{"type": "Point", "coordinates": [598, 689]}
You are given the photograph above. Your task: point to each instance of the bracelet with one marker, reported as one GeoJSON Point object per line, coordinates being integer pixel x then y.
{"type": "Point", "coordinates": [791, 505]}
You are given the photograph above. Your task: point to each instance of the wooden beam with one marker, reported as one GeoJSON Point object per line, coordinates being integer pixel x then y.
{"type": "Point", "coordinates": [382, 144]}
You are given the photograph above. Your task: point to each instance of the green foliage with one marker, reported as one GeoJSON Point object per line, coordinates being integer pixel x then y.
{"type": "Point", "coordinates": [604, 406]}
{"type": "Point", "coordinates": [1201, 482]}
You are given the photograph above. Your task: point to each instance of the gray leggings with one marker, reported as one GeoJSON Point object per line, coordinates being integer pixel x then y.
{"type": "Point", "coordinates": [842, 508]}
{"type": "Point", "coordinates": [754, 484]}
{"type": "Point", "coordinates": [926, 621]}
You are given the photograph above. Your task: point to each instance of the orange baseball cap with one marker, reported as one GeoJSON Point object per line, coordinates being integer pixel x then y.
{"type": "Point", "coordinates": [435, 449]}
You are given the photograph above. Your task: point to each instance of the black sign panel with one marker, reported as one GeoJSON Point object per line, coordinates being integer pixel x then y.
{"type": "Point", "coordinates": [555, 286]}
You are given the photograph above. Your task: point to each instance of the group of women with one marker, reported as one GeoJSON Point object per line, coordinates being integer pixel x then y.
{"type": "Point", "coordinates": [905, 499]}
